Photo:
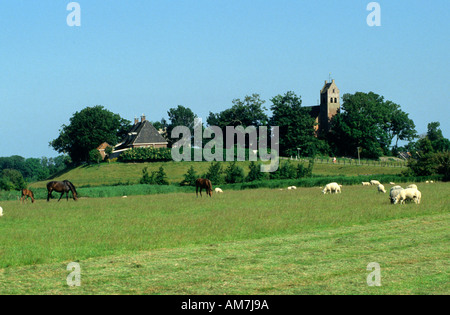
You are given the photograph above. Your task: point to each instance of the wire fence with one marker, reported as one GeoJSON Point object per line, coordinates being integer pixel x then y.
{"type": "Point", "coordinates": [347, 161]}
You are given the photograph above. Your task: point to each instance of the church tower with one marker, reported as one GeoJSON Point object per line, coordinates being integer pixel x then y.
{"type": "Point", "coordinates": [330, 104]}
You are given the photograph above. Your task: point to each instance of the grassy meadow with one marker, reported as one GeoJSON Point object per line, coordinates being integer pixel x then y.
{"type": "Point", "coordinates": [106, 174]}
{"type": "Point", "coordinates": [262, 241]}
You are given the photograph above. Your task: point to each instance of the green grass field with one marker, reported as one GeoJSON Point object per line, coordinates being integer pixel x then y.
{"type": "Point", "coordinates": [130, 173]}
{"type": "Point", "coordinates": [258, 241]}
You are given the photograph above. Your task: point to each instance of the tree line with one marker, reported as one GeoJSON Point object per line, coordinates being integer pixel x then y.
{"type": "Point", "coordinates": [367, 125]}
{"type": "Point", "coordinates": [16, 171]}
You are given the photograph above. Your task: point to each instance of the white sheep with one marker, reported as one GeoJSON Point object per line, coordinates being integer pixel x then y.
{"type": "Point", "coordinates": [293, 187]}
{"type": "Point", "coordinates": [366, 184]}
{"type": "Point", "coordinates": [427, 182]}
{"type": "Point", "coordinates": [412, 186]}
{"type": "Point", "coordinates": [394, 193]}
{"type": "Point", "coordinates": [408, 194]}
{"type": "Point", "coordinates": [431, 182]}
{"type": "Point", "coordinates": [1, 212]}
{"type": "Point", "coordinates": [391, 183]}
{"type": "Point", "coordinates": [381, 189]}
{"type": "Point", "coordinates": [332, 188]}
{"type": "Point", "coordinates": [218, 191]}
{"type": "Point", "coordinates": [374, 182]}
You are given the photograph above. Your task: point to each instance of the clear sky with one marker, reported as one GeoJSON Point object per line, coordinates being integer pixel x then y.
{"type": "Point", "coordinates": [146, 56]}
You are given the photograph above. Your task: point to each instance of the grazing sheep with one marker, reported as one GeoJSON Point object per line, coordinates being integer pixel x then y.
{"type": "Point", "coordinates": [391, 183]}
{"type": "Point", "coordinates": [1, 212]}
{"type": "Point", "coordinates": [293, 187]}
{"type": "Point", "coordinates": [218, 191]}
{"type": "Point", "coordinates": [408, 194]}
{"type": "Point", "coordinates": [375, 182]}
{"type": "Point", "coordinates": [394, 193]}
{"type": "Point", "coordinates": [412, 186]}
{"type": "Point", "coordinates": [427, 182]}
{"type": "Point", "coordinates": [381, 189]}
{"type": "Point", "coordinates": [332, 188]}
{"type": "Point", "coordinates": [431, 182]}
{"type": "Point", "coordinates": [366, 184]}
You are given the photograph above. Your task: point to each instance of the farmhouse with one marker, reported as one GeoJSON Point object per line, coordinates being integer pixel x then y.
{"type": "Point", "coordinates": [142, 135]}
{"type": "Point", "coordinates": [330, 105]}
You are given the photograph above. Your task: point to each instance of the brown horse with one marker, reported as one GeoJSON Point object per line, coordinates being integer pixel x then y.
{"type": "Point", "coordinates": [25, 194]}
{"type": "Point", "coordinates": [203, 183]}
{"type": "Point", "coordinates": [63, 187]}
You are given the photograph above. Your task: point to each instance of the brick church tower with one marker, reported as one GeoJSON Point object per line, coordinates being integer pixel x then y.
{"type": "Point", "coordinates": [330, 104]}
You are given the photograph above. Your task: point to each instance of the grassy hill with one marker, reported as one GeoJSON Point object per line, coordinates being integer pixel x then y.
{"type": "Point", "coordinates": [130, 173]}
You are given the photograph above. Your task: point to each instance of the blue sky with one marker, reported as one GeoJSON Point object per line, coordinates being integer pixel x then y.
{"type": "Point", "coordinates": [145, 56]}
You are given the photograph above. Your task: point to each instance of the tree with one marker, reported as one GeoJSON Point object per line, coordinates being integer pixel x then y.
{"type": "Point", "coordinates": [215, 173]}
{"type": "Point", "coordinates": [247, 112]}
{"type": "Point", "coordinates": [234, 174]}
{"type": "Point", "coordinates": [369, 122]}
{"type": "Point", "coordinates": [87, 129]}
{"type": "Point", "coordinates": [296, 125]}
{"type": "Point", "coordinates": [254, 173]}
{"type": "Point", "coordinates": [155, 178]}
{"type": "Point", "coordinates": [190, 177]}
{"type": "Point", "coordinates": [179, 116]}
{"type": "Point", "coordinates": [12, 179]}
{"type": "Point", "coordinates": [437, 139]}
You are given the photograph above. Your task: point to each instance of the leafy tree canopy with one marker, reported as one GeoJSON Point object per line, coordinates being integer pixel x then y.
{"type": "Point", "coordinates": [296, 126]}
{"type": "Point", "coordinates": [371, 123]}
{"type": "Point", "coordinates": [87, 130]}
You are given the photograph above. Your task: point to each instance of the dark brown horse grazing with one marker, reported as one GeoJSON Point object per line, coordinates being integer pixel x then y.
{"type": "Point", "coordinates": [203, 183]}
{"type": "Point", "coordinates": [63, 187]}
{"type": "Point", "coordinates": [25, 194]}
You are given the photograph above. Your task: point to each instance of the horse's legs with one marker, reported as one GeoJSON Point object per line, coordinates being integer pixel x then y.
{"type": "Point", "coordinates": [67, 196]}
{"type": "Point", "coordinates": [49, 195]}
{"type": "Point", "coordinates": [62, 194]}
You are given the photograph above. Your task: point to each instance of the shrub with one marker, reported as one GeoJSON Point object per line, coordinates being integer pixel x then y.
{"type": "Point", "coordinates": [95, 156]}
{"type": "Point", "coordinates": [214, 173]}
{"type": "Point", "coordinates": [254, 173]}
{"type": "Point", "coordinates": [155, 178]}
{"type": "Point", "coordinates": [190, 177]}
{"type": "Point", "coordinates": [146, 155]}
{"type": "Point", "coordinates": [288, 170]}
{"type": "Point", "coordinates": [234, 174]}
{"type": "Point", "coordinates": [303, 171]}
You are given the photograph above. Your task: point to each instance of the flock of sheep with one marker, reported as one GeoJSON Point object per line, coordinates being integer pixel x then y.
{"type": "Point", "coordinates": [397, 194]}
